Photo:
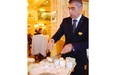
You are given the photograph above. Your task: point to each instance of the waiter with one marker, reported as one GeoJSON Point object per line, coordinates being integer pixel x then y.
{"type": "Point", "coordinates": [75, 29]}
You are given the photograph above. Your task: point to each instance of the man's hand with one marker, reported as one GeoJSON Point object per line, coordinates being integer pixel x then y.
{"type": "Point", "coordinates": [50, 44]}
{"type": "Point", "coordinates": [67, 48]}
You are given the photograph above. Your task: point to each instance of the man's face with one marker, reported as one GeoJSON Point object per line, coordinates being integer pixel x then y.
{"type": "Point", "coordinates": [74, 10]}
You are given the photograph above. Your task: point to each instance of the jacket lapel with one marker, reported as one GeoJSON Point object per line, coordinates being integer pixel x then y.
{"type": "Point", "coordinates": [70, 22]}
{"type": "Point", "coordinates": [70, 25]}
{"type": "Point", "coordinates": [79, 24]}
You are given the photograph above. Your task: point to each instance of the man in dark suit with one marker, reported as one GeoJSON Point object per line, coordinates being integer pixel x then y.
{"type": "Point", "coordinates": [75, 29]}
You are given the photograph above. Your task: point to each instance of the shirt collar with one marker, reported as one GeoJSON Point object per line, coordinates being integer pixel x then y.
{"type": "Point", "coordinates": [78, 18]}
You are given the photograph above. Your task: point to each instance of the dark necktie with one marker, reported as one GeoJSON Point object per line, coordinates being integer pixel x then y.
{"type": "Point", "coordinates": [74, 25]}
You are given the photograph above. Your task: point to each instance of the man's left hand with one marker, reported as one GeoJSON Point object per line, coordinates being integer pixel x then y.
{"type": "Point", "coordinates": [67, 48]}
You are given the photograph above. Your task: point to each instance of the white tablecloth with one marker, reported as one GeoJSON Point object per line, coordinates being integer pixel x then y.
{"type": "Point", "coordinates": [46, 67]}
{"type": "Point", "coordinates": [39, 44]}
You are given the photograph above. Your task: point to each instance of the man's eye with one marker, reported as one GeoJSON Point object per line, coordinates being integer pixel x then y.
{"type": "Point", "coordinates": [73, 8]}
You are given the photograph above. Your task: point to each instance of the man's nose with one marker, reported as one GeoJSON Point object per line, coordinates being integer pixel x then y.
{"type": "Point", "coordinates": [70, 11]}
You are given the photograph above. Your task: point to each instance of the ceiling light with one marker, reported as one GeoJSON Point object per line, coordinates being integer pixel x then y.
{"type": "Point", "coordinates": [46, 1]}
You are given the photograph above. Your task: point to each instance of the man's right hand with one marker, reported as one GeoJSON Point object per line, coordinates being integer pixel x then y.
{"type": "Point", "coordinates": [51, 44]}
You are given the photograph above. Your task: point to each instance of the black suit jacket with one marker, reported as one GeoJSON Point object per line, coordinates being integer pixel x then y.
{"type": "Point", "coordinates": [79, 39]}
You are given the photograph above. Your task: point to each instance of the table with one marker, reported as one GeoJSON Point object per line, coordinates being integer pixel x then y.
{"type": "Point", "coordinates": [49, 67]}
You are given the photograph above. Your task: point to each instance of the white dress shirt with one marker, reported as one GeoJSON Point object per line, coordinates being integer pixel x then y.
{"type": "Point", "coordinates": [78, 19]}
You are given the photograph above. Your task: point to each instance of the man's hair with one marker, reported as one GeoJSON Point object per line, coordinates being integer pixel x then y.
{"type": "Point", "coordinates": [79, 2]}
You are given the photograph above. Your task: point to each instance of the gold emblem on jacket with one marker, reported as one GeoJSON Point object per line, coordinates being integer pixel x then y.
{"type": "Point", "coordinates": [80, 33]}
